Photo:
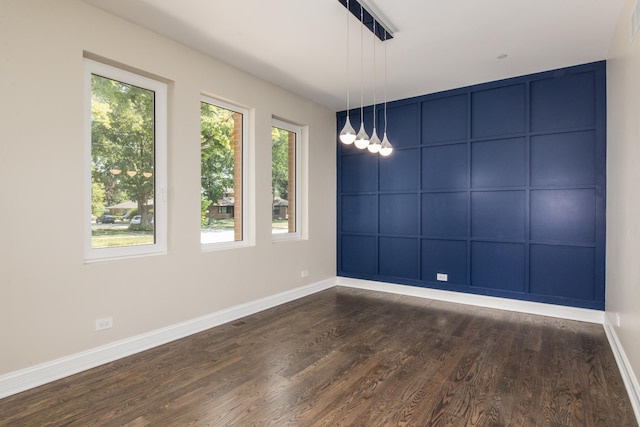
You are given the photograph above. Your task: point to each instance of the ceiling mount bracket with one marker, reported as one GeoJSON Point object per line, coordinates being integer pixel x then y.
{"type": "Point", "coordinates": [381, 29]}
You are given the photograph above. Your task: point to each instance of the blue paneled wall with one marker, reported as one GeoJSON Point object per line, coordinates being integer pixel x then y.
{"type": "Point", "coordinates": [500, 186]}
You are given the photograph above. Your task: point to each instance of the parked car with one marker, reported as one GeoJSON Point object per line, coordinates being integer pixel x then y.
{"type": "Point", "coordinates": [136, 220]}
{"type": "Point", "coordinates": [105, 219]}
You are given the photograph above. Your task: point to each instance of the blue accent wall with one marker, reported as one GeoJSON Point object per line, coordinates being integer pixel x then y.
{"type": "Point", "coordinates": [501, 186]}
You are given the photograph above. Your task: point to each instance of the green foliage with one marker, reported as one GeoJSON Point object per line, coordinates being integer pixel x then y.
{"type": "Point", "coordinates": [216, 142]}
{"type": "Point", "coordinates": [204, 210]}
{"type": "Point", "coordinates": [280, 163]}
{"type": "Point", "coordinates": [97, 198]}
{"type": "Point", "coordinates": [131, 213]}
{"type": "Point", "coordinates": [122, 137]}
{"type": "Point", "coordinates": [140, 227]}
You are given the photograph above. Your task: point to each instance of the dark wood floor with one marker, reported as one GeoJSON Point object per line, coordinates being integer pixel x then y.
{"type": "Point", "coordinates": [346, 357]}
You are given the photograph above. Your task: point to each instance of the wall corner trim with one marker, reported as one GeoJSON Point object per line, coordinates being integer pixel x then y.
{"type": "Point", "coordinates": [542, 309]}
{"type": "Point", "coordinates": [626, 371]}
{"type": "Point", "coordinates": [25, 379]}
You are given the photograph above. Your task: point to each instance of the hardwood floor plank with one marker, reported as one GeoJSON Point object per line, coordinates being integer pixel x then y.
{"type": "Point", "coordinates": [347, 357]}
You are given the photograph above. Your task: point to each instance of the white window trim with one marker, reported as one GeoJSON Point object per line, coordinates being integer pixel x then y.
{"type": "Point", "coordinates": [247, 237]}
{"type": "Point", "coordinates": [297, 235]}
{"type": "Point", "coordinates": [160, 163]}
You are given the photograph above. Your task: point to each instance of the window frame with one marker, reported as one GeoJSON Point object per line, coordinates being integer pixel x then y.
{"type": "Point", "coordinates": [288, 126]}
{"type": "Point", "coordinates": [246, 229]}
{"type": "Point", "coordinates": [160, 89]}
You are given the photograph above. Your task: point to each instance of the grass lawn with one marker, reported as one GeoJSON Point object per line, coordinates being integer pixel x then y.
{"type": "Point", "coordinates": [103, 236]}
{"type": "Point", "coordinates": [280, 223]}
{"type": "Point", "coordinates": [227, 224]}
{"type": "Point", "coordinates": [220, 224]}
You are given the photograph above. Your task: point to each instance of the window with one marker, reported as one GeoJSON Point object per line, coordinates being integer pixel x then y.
{"type": "Point", "coordinates": [222, 168]}
{"type": "Point", "coordinates": [285, 139]}
{"type": "Point", "coordinates": [125, 132]}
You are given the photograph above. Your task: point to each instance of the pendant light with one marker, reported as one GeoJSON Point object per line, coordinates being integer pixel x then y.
{"type": "Point", "coordinates": [362, 139]}
{"type": "Point", "coordinates": [374, 143]}
{"type": "Point", "coordinates": [385, 148]}
{"type": "Point", "coordinates": [348, 133]}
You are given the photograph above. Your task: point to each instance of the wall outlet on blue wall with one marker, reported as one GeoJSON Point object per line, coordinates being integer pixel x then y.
{"type": "Point", "coordinates": [442, 277]}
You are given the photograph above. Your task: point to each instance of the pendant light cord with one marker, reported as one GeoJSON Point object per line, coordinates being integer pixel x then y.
{"type": "Point", "coordinates": [361, 67]}
{"type": "Point", "coordinates": [385, 83]}
{"type": "Point", "coordinates": [348, 34]}
{"type": "Point", "coordinates": [374, 74]}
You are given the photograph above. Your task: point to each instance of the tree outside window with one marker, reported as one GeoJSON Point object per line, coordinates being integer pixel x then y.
{"type": "Point", "coordinates": [125, 174]}
{"type": "Point", "coordinates": [284, 180]}
{"type": "Point", "coordinates": [122, 162]}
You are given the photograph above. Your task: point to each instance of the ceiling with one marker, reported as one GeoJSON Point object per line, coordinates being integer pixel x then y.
{"type": "Point", "coordinates": [438, 45]}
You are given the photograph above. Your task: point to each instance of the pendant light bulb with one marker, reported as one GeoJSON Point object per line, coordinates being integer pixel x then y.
{"type": "Point", "coordinates": [362, 139]}
{"type": "Point", "coordinates": [374, 143]}
{"type": "Point", "coordinates": [385, 148]}
{"type": "Point", "coordinates": [348, 133]}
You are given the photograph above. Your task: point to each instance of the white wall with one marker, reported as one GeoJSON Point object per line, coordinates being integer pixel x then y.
{"type": "Point", "coordinates": [623, 196]}
{"type": "Point", "coordinates": [50, 298]}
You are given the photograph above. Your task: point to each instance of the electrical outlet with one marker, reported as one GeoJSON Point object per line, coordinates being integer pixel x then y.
{"type": "Point", "coordinates": [618, 320]}
{"type": "Point", "coordinates": [304, 273]}
{"type": "Point", "coordinates": [442, 277]}
{"type": "Point", "coordinates": [104, 323]}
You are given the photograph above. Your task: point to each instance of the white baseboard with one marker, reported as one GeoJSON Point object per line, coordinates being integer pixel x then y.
{"type": "Point", "coordinates": [559, 311]}
{"type": "Point", "coordinates": [18, 381]}
{"type": "Point", "coordinates": [628, 376]}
